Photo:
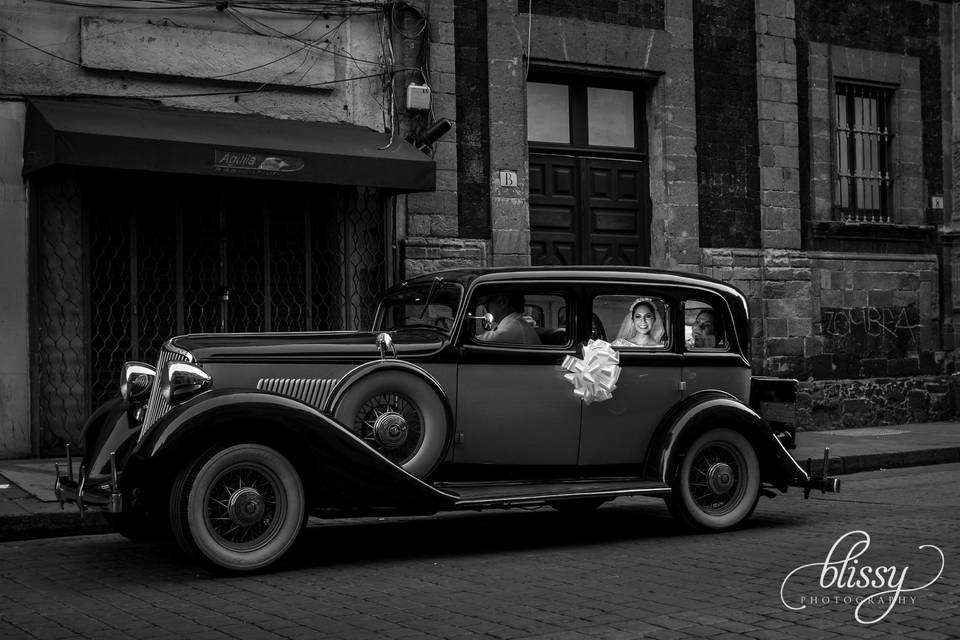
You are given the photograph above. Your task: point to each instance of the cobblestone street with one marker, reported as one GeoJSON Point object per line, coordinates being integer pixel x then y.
{"type": "Point", "coordinates": [626, 572]}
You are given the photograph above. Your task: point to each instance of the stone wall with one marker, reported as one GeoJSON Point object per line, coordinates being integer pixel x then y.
{"type": "Point", "coordinates": [844, 404]}
{"type": "Point", "coordinates": [426, 255]}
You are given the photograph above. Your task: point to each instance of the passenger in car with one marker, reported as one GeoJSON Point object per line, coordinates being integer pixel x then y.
{"type": "Point", "coordinates": [510, 324]}
{"type": "Point", "coordinates": [642, 326]}
{"type": "Point", "coordinates": [703, 333]}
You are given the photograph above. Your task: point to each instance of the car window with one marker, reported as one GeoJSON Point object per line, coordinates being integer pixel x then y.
{"type": "Point", "coordinates": [519, 318]}
{"type": "Point", "coordinates": [631, 321]}
{"type": "Point", "coordinates": [703, 327]}
{"type": "Point", "coordinates": [424, 305]}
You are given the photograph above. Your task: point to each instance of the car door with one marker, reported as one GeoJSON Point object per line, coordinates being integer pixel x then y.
{"type": "Point", "coordinates": [618, 431]}
{"type": "Point", "coordinates": [514, 406]}
{"type": "Point", "coordinates": [712, 360]}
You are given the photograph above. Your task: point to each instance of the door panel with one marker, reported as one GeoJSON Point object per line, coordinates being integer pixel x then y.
{"type": "Point", "coordinates": [515, 411]}
{"type": "Point", "coordinates": [618, 225]}
{"type": "Point", "coordinates": [554, 216]}
{"type": "Point", "coordinates": [587, 210]}
{"type": "Point", "coordinates": [618, 431]}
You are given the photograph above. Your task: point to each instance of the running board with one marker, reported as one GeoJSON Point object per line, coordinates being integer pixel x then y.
{"type": "Point", "coordinates": [480, 496]}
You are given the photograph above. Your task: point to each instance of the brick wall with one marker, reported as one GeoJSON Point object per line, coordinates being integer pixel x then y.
{"type": "Point", "coordinates": [473, 119]}
{"type": "Point", "coordinates": [648, 14]}
{"type": "Point", "coordinates": [727, 150]}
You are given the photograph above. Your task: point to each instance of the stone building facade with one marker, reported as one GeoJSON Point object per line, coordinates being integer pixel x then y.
{"type": "Point", "coordinates": [746, 143]}
{"type": "Point", "coordinates": [802, 150]}
{"type": "Point", "coordinates": [169, 169]}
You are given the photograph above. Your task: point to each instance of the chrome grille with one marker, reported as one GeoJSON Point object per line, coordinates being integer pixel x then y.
{"type": "Point", "coordinates": [312, 391]}
{"type": "Point", "coordinates": [157, 405]}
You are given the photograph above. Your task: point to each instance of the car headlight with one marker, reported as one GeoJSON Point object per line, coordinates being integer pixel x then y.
{"type": "Point", "coordinates": [136, 380]}
{"type": "Point", "coordinates": [181, 380]}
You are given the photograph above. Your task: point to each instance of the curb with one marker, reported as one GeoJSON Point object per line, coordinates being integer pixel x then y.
{"type": "Point", "coordinates": [877, 461]}
{"type": "Point", "coordinates": [52, 524]}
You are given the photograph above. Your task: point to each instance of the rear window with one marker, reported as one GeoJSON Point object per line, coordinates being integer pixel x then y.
{"type": "Point", "coordinates": [633, 321]}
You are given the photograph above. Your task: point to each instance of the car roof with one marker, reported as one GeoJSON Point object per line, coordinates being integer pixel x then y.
{"type": "Point", "coordinates": [645, 275]}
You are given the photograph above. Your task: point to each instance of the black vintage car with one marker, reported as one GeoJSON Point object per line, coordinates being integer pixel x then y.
{"type": "Point", "coordinates": [476, 389]}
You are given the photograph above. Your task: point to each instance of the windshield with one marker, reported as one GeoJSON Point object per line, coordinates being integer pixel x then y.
{"type": "Point", "coordinates": [418, 306]}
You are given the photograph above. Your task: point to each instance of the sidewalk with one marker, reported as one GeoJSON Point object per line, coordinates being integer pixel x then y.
{"type": "Point", "coordinates": [28, 508]}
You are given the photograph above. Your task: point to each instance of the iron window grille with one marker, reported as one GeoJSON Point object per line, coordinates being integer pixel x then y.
{"type": "Point", "coordinates": [864, 179]}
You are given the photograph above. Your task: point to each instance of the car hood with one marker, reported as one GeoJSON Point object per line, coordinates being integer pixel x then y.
{"type": "Point", "coordinates": [330, 344]}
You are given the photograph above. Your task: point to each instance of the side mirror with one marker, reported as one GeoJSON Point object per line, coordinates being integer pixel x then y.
{"type": "Point", "coordinates": [384, 342]}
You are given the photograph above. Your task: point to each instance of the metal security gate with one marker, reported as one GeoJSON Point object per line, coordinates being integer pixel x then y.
{"type": "Point", "coordinates": [127, 260]}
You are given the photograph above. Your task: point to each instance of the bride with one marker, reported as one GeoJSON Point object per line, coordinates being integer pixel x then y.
{"type": "Point", "coordinates": [642, 326]}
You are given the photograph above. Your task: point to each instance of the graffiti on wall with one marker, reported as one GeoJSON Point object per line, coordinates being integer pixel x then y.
{"type": "Point", "coordinates": [876, 322]}
{"type": "Point", "coordinates": [871, 332]}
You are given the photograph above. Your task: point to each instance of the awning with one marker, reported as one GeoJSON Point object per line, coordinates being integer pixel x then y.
{"type": "Point", "coordinates": [149, 137]}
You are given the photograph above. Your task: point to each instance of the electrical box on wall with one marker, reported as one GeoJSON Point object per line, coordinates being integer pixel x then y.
{"type": "Point", "coordinates": [418, 97]}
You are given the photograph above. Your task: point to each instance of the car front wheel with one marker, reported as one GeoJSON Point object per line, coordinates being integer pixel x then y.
{"type": "Point", "coordinates": [718, 483]}
{"type": "Point", "coordinates": [240, 508]}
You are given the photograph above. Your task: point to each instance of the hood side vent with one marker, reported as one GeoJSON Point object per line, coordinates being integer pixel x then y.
{"type": "Point", "coordinates": [311, 391]}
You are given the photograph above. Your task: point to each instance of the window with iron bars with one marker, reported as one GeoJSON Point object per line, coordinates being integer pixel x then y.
{"type": "Point", "coordinates": [864, 178]}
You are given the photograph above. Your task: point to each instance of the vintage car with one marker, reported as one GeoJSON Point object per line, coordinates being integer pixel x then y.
{"type": "Point", "coordinates": [476, 389]}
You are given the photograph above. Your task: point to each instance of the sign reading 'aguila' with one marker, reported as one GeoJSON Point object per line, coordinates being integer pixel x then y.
{"type": "Point", "coordinates": [250, 162]}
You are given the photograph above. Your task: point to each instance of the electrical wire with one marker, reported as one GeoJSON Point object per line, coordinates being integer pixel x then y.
{"type": "Point", "coordinates": [35, 47]}
{"type": "Point", "coordinates": [387, 68]}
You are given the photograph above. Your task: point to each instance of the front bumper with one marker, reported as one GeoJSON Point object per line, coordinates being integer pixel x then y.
{"type": "Point", "coordinates": [100, 496]}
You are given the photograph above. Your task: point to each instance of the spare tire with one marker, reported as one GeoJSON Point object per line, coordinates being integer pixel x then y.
{"type": "Point", "coordinates": [399, 415]}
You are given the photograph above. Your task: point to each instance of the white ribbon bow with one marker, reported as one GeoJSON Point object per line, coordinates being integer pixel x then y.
{"type": "Point", "coordinates": [594, 377]}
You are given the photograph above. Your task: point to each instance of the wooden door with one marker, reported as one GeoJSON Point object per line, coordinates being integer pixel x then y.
{"type": "Point", "coordinates": [586, 210]}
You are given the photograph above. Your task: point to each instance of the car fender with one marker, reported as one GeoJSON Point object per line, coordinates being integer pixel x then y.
{"type": "Point", "coordinates": [337, 468]}
{"type": "Point", "coordinates": [375, 366]}
{"type": "Point", "coordinates": [112, 428]}
{"type": "Point", "coordinates": [709, 409]}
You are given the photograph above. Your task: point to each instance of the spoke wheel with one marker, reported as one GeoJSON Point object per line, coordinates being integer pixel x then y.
{"type": "Point", "coordinates": [400, 416]}
{"type": "Point", "coordinates": [391, 423]}
{"type": "Point", "coordinates": [718, 483]}
{"type": "Point", "coordinates": [240, 508]}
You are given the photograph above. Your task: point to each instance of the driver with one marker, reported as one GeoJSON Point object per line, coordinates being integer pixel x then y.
{"type": "Point", "coordinates": [510, 325]}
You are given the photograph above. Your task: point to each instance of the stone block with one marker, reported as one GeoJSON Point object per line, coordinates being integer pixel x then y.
{"type": "Point", "coordinates": [771, 178]}
{"type": "Point", "coordinates": [770, 48]}
{"type": "Point", "coordinates": [854, 298]}
{"type": "Point", "coordinates": [873, 367]}
{"type": "Point", "coordinates": [800, 328]}
{"type": "Point", "coordinates": [787, 156]}
{"type": "Point", "coordinates": [774, 8]}
{"type": "Point", "coordinates": [769, 90]}
{"type": "Point", "coordinates": [775, 328]}
{"type": "Point", "coordinates": [771, 131]}
{"type": "Point", "coordinates": [821, 366]}
{"type": "Point", "coordinates": [880, 298]}
{"type": "Point", "coordinates": [812, 345]}
{"type": "Point", "coordinates": [783, 27]}
{"type": "Point", "coordinates": [510, 241]}
{"type": "Point", "coordinates": [767, 156]}
{"type": "Point", "coordinates": [899, 367]}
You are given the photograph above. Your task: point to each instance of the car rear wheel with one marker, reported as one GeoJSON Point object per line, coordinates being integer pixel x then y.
{"type": "Point", "coordinates": [401, 416]}
{"type": "Point", "coordinates": [718, 483]}
{"type": "Point", "coordinates": [240, 508]}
